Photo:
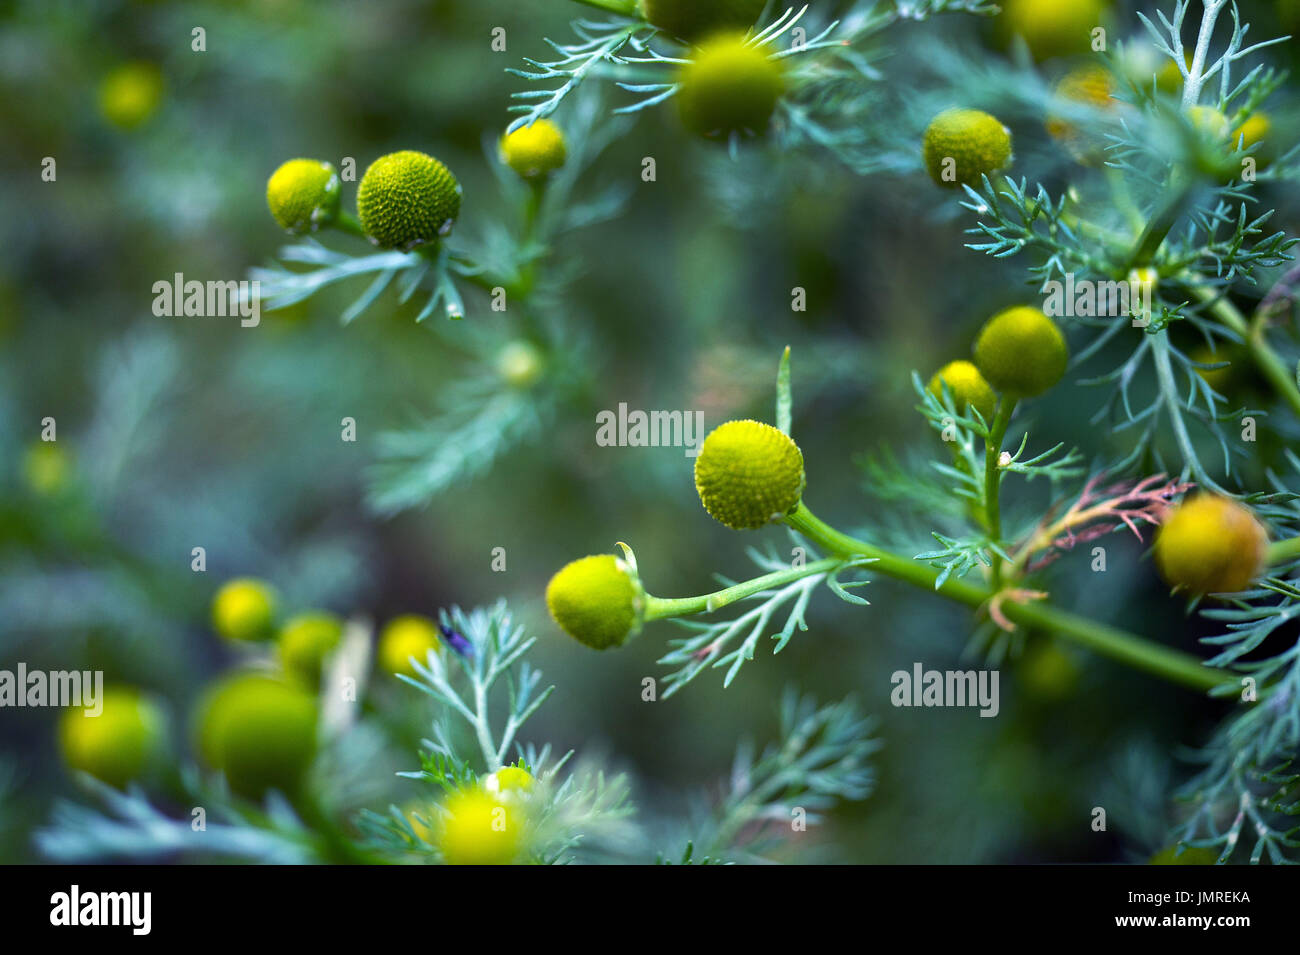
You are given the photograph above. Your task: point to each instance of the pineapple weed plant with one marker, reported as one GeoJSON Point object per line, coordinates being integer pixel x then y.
{"type": "Point", "coordinates": [1172, 151]}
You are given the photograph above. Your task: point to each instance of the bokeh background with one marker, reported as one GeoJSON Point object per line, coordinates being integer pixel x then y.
{"type": "Point", "coordinates": [183, 432]}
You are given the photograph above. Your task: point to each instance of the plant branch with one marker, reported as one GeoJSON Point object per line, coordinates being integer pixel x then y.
{"type": "Point", "coordinates": [1118, 645]}
{"type": "Point", "coordinates": [659, 607]}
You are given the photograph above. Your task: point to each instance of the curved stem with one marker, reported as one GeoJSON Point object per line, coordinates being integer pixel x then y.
{"type": "Point", "coordinates": [1118, 645]}
{"type": "Point", "coordinates": [659, 607]}
{"type": "Point", "coordinates": [1268, 361]}
{"type": "Point", "coordinates": [347, 222]}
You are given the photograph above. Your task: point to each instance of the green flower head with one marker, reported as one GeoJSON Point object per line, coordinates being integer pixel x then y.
{"type": "Point", "coordinates": [303, 195]}
{"type": "Point", "coordinates": [407, 199]}
{"type": "Point", "coordinates": [597, 600]}
{"type": "Point", "coordinates": [729, 87]}
{"type": "Point", "coordinates": [1021, 351]}
{"type": "Point", "coordinates": [961, 145]}
{"type": "Point", "coordinates": [748, 474]}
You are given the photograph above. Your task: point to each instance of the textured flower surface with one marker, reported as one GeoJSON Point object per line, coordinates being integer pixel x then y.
{"type": "Point", "coordinates": [407, 199]}
{"type": "Point", "coordinates": [303, 194]}
{"type": "Point", "coordinates": [748, 474]}
{"type": "Point", "coordinates": [961, 145]}
{"type": "Point", "coordinates": [1021, 351]}
{"type": "Point", "coordinates": [596, 601]}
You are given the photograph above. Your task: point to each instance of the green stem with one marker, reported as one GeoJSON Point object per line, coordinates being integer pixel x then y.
{"type": "Point", "coordinates": [993, 479]}
{"type": "Point", "coordinates": [659, 607]}
{"type": "Point", "coordinates": [1279, 552]}
{"type": "Point", "coordinates": [1118, 645]}
{"type": "Point", "coordinates": [1268, 361]}
{"type": "Point", "coordinates": [1177, 193]}
{"type": "Point", "coordinates": [347, 222]}
{"type": "Point", "coordinates": [625, 7]}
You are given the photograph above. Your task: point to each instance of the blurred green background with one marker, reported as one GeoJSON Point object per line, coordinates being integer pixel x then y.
{"type": "Point", "coordinates": [178, 433]}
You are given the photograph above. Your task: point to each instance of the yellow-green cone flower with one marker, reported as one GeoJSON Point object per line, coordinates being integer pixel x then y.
{"type": "Point", "coordinates": [244, 610]}
{"type": "Point", "coordinates": [260, 732]}
{"type": "Point", "coordinates": [748, 474]}
{"type": "Point", "coordinates": [535, 151]}
{"type": "Point", "coordinates": [510, 782]}
{"type": "Point", "coordinates": [696, 19]}
{"type": "Point", "coordinates": [1052, 28]}
{"type": "Point", "coordinates": [303, 195]}
{"type": "Point", "coordinates": [967, 387]}
{"type": "Point", "coordinates": [407, 199]}
{"type": "Point", "coordinates": [520, 364]}
{"type": "Point", "coordinates": [306, 641]}
{"type": "Point", "coordinates": [120, 744]}
{"type": "Point", "coordinates": [729, 87]}
{"type": "Point", "coordinates": [1020, 351]}
{"type": "Point", "coordinates": [961, 145]}
{"type": "Point", "coordinates": [1192, 855]}
{"type": "Point", "coordinates": [597, 601]}
{"type": "Point", "coordinates": [476, 828]}
{"type": "Point", "coordinates": [1211, 545]}
{"type": "Point", "coordinates": [130, 94]}
{"type": "Point", "coordinates": [405, 637]}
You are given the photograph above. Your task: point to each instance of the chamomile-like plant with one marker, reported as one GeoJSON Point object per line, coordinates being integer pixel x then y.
{"type": "Point", "coordinates": [290, 776]}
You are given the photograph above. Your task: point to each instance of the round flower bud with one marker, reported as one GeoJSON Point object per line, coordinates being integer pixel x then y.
{"type": "Point", "coordinates": [729, 87]}
{"type": "Point", "coordinates": [478, 829]}
{"type": "Point", "coordinates": [1192, 855]}
{"type": "Point", "coordinates": [1020, 351]}
{"type": "Point", "coordinates": [520, 364]}
{"type": "Point", "coordinates": [1052, 28]}
{"type": "Point", "coordinates": [259, 731]}
{"type": "Point", "coordinates": [1091, 85]}
{"type": "Point", "coordinates": [244, 609]}
{"type": "Point", "coordinates": [748, 474]}
{"type": "Point", "coordinates": [961, 145]}
{"type": "Point", "coordinates": [407, 199]}
{"type": "Point", "coordinates": [1211, 545]}
{"type": "Point", "coordinates": [1255, 130]}
{"type": "Point", "coordinates": [303, 195]}
{"type": "Point", "coordinates": [597, 601]}
{"type": "Point", "coordinates": [118, 744]}
{"type": "Point", "coordinates": [510, 782]}
{"type": "Point", "coordinates": [1209, 122]}
{"type": "Point", "coordinates": [967, 387]}
{"type": "Point", "coordinates": [535, 151]}
{"type": "Point", "coordinates": [47, 468]}
{"type": "Point", "coordinates": [403, 638]}
{"type": "Point", "coordinates": [130, 94]}
{"type": "Point", "coordinates": [306, 641]}
{"type": "Point", "coordinates": [696, 19]}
